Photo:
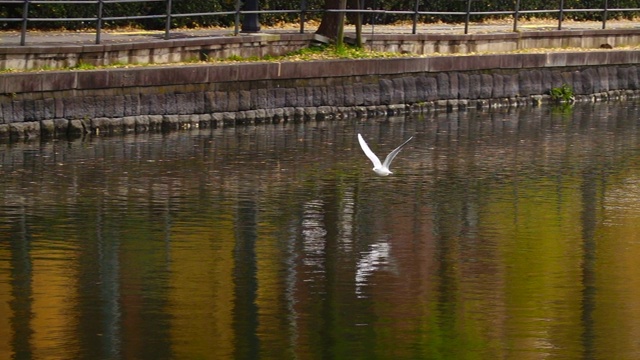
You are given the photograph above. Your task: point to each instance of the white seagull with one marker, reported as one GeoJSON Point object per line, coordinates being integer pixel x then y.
{"type": "Point", "coordinates": [381, 169]}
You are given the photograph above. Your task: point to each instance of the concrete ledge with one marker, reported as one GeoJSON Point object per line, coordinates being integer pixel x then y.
{"type": "Point", "coordinates": [30, 82]}
{"type": "Point", "coordinates": [259, 45]}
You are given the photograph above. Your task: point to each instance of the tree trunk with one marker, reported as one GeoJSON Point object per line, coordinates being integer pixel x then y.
{"type": "Point", "coordinates": [331, 23]}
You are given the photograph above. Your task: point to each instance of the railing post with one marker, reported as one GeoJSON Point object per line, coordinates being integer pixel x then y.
{"type": "Point", "coordinates": [99, 22]}
{"type": "Point", "coordinates": [605, 13]}
{"type": "Point", "coordinates": [373, 22]}
{"type": "Point", "coordinates": [236, 20]}
{"type": "Point", "coordinates": [303, 15]}
{"type": "Point", "coordinates": [25, 18]}
{"type": "Point", "coordinates": [251, 21]}
{"type": "Point", "coordinates": [415, 18]}
{"type": "Point", "coordinates": [167, 25]}
{"type": "Point", "coordinates": [561, 15]}
{"type": "Point", "coordinates": [466, 19]}
{"type": "Point", "coordinates": [516, 13]}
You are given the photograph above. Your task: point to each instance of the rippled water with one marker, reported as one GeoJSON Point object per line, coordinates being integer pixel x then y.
{"type": "Point", "coordinates": [506, 234]}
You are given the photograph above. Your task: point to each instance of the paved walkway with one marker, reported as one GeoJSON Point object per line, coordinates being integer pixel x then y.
{"type": "Point", "coordinates": [56, 38]}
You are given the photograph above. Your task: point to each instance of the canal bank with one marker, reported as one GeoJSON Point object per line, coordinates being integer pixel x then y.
{"type": "Point", "coordinates": [154, 98]}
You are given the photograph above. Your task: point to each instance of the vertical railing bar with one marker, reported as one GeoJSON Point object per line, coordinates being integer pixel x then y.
{"type": "Point", "coordinates": [25, 18]}
{"type": "Point", "coordinates": [236, 19]}
{"type": "Point", "coordinates": [373, 22]}
{"type": "Point", "coordinates": [605, 14]}
{"type": "Point", "coordinates": [516, 13]}
{"type": "Point", "coordinates": [99, 22]}
{"type": "Point", "coordinates": [167, 25]}
{"type": "Point", "coordinates": [561, 15]}
{"type": "Point", "coordinates": [303, 15]}
{"type": "Point", "coordinates": [467, 17]}
{"type": "Point", "coordinates": [414, 30]}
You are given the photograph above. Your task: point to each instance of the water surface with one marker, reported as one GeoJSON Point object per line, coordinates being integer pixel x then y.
{"type": "Point", "coordinates": [510, 234]}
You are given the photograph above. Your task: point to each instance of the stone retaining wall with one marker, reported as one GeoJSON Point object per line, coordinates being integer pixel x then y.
{"type": "Point", "coordinates": [147, 99]}
{"type": "Point", "coordinates": [155, 51]}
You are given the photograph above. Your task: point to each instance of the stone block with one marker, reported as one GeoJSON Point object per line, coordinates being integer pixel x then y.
{"type": "Point", "coordinates": [290, 96]}
{"type": "Point", "coordinates": [338, 95]}
{"type": "Point", "coordinates": [317, 97]}
{"type": "Point", "coordinates": [623, 78]}
{"type": "Point", "coordinates": [244, 100]}
{"type": "Point", "coordinates": [614, 81]}
{"type": "Point", "coordinates": [546, 81]}
{"type": "Point", "coordinates": [55, 81]}
{"type": "Point", "coordinates": [511, 86]}
{"type": "Point", "coordinates": [533, 60]}
{"type": "Point", "coordinates": [386, 92]}
{"type": "Point", "coordinates": [567, 78]}
{"type": "Point", "coordinates": [222, 73]}
{"type": "Point", "coordinates": [511, 61]}
{"type": "Point", "coordinates": [358, 94]}
{"type": "Point", "coordinates": [129, 124]}
{"type": "Point", "coordinates": [578, 85]}
{"type": "Point", "coordinates": [209, 101]}
{"type": "Point", "coordinates": [596, 58]}
{"type": "Point", "coordinates": [151, 104]}
{"type": "Point", "coordinates": [428, 87]}
{"type": "Point", "coordinates": [634, 81]}
{"type": "Point", "coordinates": [184, 103]}
{"type": "Point", "coordinates": [198, 102]}
{"type": "Point", "coordinates": [576, 59]}
{"type": "Point", "coordinates": [444, 87]}
{"type": "Point", "coordinates": [371, 94]}
{"type": "Point", "coordinates": [142, 124]}
{"type": "Point", "coordinates": [486, 86]}
{"type": "Point", "coordinates": [410, 89]}
{"type": "Point", "coordinates": [256, 71]}
{"type": "Point", "coordinates": [22, 83]}
{"type": "Point", "coordinates": [497, 90]}
{"type": "Point", "coordinates": [589, 81]}
{"type": "Point", "coordinates": [279, 98]}
{"type": "Point", "coordinates": [118, 106]}
{"type": "Point", "coordinates": [348, 98]}
{"type": "Point", "coordinates": [556, 59]}
{"type": "Point", "coordinates": [131, 105]}
{"type": "Point", "coordinates": [61, 127]}
{"type": "Point", "coordinates": [29, 110]}
{"type": "Point", "coordinates": [556, 79]}
{"type": "Point", "coordinates": [49, 108]}
{"type": "Point", "coordinates": [535, 77]}
{"type": "Point", "coordinates": [25, 130]}
{"type": "Point", "coordinates": [398, 95]}
{"type": "Point", "coordinates": [77, 128]}
{"type": "Point", "coordinates": [524, 83]}
{"type": "Point", "coordinates": [301, 96]}
{"type": "Point", "coordinates": [260, 97]}
{"type": "Point", "coordinates": [47, 129]}
{"type": "Point", "coordinates": [4, 131]}
{"type": "Point", "coordinates": [155, 122]}
{"type": "Point", "coordinates": [96, 79]}
{"type": "Point", "coordinates": [474, 86]}
{"type": "Point", "coordinates": [454, 85]}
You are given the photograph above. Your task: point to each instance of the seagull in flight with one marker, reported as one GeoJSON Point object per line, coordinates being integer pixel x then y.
{"type": "Point", "coordinates": [379, 168]}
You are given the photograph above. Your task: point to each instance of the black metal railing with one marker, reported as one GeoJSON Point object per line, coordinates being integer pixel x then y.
{"type": "Point", "coordinates": [99, 19]}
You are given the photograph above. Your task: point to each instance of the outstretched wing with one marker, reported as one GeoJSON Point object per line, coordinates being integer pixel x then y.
{"type": "Point", "coordinates": [374, 159]}
{"type": "Point", "coordinates": [392, 155]}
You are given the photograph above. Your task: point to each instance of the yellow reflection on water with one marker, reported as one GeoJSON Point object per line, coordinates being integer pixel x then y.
{"type": "Point", "coordinates": [54, 297]}
{"type": "Point", "coordinates": [200, 297]}
{"type": "Point", "coordinates": [536, 224]}
{"type": "Point", "coordinates": [617, 280]}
